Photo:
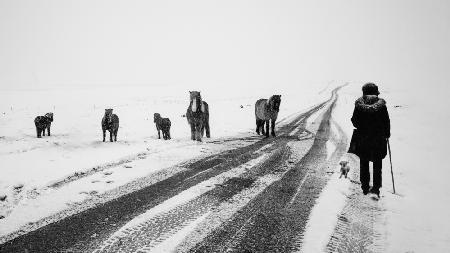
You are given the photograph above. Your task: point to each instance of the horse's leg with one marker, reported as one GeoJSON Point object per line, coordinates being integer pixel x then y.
{"type": "Point", "coordinates": [208, 134]}
{"type": "Point", "coordinates": [263, 130]}
{"type": "Point", "coordinates": [198, 132]}
{"type": "Point", "coordinates": [115, 134]}
{"type": "Point", "coordinates": [258, 124]}
{"type": "Point", "coordinates": [110, 135]}
{"type": "Point", "coordinates": [48, 131]}
{"type": "Point", "coordinates": [192, 131]}
{"type": "Point", "coordinates": [43, 131]}
{"type": "Point", "coordinates": [104, 134]}
{"type": "Point", "coordinates": [168, 133]}
{"type": "Point", "coordinates": [38, 131]}
{"type": "Point", "coordinates": [273, 128]}
{"type": "Point", "coordinates": [267, 128]}
{"type": "Point", "coordinates": [159, 135]}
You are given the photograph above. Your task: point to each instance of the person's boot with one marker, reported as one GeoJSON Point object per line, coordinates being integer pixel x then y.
{"type": "Point", "coordinates": [376, 193]}
{"type": "Point", "coordinates": [365, 191]}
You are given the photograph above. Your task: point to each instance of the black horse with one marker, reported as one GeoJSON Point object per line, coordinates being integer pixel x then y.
{"type": "Point", "coordinates": [265, 111]}
{"type": "Point", "coordinates": [197, 116]}
{"type": "Point", "coordinates": [42, 123]}
{"type": "Point", "coordinates": [162, 124]}
{"type": "Point", "coordinates": [110, 122]}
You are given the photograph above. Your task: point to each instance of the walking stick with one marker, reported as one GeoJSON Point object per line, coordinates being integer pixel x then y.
{"type": "Point", "coordinates": [390, 159]}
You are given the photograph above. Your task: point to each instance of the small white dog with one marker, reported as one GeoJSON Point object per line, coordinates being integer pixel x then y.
{"type": "Point", "coordinates": [345, 168]}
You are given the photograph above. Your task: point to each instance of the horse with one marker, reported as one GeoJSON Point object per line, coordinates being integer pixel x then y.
{"type": "Point", "coordinates": [197, 116]}
{"type": "Point", "coordinates": [266, 111]}
{"type": "Point", "coordinates": [110, 122]}
{"type": "Point", "coordinates": [162, 124]}
{"type": "Point", "coordinates": [42, 123]}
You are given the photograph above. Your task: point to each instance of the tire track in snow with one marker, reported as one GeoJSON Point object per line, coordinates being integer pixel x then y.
{"type": "Point", "coordinates": [272, 220]}
{"type": "Point", "coordinates": [182, 215]}
{"type": "Point", "coordinates": [156, 225]}
{"type": "Point", "coordinates": [309, 241]}
{"type": "Point", "coordinates": [354, 230]}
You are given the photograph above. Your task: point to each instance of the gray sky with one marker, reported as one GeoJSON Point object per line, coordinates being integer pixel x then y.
{"type": "Point", "coordinates": [252, 43]}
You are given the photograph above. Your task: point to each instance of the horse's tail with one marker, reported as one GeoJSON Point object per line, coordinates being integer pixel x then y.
{"type": "Point", "coordinates": [115, 121]}
{"type": "Point", "coordinates": [37, 120]}
{"type": "Point", "coordinates": [260, 109]}
{"type": "Point", "coordinates": [165, 123]}
{"type": "Point", "coordinates": [205, 107]}
{"type": "Point", "coordinates": [188, 115]}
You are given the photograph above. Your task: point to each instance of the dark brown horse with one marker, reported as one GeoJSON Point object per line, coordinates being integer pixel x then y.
{"type": "Point", "coordinates": [110, 122]}
{"type": "Point", "coordinates": [197, 116]}
{"type": "Point", "coordinates": [42, 123]}
{"type": "Point", "coordinates": [162, 124]}
{"type": "Point", "coordinates": [267, 111]}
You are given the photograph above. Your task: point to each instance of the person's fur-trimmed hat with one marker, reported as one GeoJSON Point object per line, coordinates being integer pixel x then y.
{"type": "Point", "coordinates": [370, 89]}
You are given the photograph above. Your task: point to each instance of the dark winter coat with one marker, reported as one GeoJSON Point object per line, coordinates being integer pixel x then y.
{"type": "Point", "coordinates": [371, 119]}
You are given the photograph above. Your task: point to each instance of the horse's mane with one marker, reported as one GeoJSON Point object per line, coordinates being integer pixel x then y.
{"type": "Point", "coordinates": [108, 116]}
{"type": "Point", "coordinates": [271, 100]}
{"type": "Point", "coordinates": [49, 116]}
{"type": "Point", "coordinates": [195, 96]}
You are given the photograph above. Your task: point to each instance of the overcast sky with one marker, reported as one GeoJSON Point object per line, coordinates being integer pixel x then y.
{"type": "Point", "coordinates": [252, 43]}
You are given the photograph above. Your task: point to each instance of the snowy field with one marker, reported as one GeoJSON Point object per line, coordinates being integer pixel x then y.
{"type": "Point", "coordinates": [74, 165]}
{"type": "Point", "coordinates": [32, 167]}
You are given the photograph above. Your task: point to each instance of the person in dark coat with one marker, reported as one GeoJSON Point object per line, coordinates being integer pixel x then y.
{"type": "Point", "coordinates": [372, 123]}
